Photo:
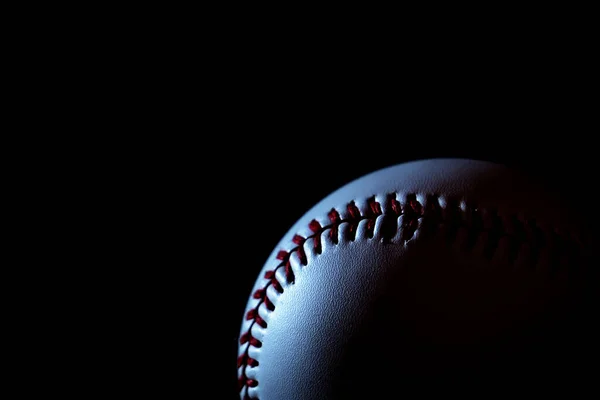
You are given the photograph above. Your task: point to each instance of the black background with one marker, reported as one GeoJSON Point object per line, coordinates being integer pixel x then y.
{"type": "Point", "coordinates": [284, 127]}
{"type": "Point", "coordinates": [233, 156]}
{"type": "Point", "coordinates": [274, 180]}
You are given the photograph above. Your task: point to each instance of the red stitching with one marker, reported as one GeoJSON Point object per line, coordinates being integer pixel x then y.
{"type": "Point", "coordinates": [450, 217]}
{"type": "Point", "coordinates": [354, 218]}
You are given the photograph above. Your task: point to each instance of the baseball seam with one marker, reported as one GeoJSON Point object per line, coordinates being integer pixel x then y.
{"type": "Point", "coordinates": [456, 218]}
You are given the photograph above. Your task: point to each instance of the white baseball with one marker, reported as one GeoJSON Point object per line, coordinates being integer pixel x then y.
{"type": "Point", "coordinates": [433, 276]}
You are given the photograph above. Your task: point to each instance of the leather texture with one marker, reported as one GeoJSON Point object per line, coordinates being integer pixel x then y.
{"type": "Point", "coordinates": [375, 318]}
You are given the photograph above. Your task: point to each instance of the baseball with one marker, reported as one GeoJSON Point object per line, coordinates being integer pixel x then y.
{"type": "Point", "coordinates": [439, 276]}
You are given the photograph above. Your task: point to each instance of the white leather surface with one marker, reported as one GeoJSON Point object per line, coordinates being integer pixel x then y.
{"type": "Point", "coordinates": [316, 317]}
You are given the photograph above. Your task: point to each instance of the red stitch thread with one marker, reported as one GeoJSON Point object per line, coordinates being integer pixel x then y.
{"type": "Point", "coordinates": [450, 217]}
{"type": "Point", "coordinates": [374, 206]}
{"type": "Point", "coordinates": [269, 304]}
{"type": "Point", "coordinates": [394, 205]}
{"type": "Point", "coordinates": [354, 219]}
{"type": "Point", "coordinates": [261, 322]}
{"type": "Point", "coordinates": [251, 314]}
{"type": "Point", "coordinates": [412, 212]}
{"type": "Point", "coordinates": [244, 337]}
{"type": "Point", "coordinates": [248, 338]}
{"type": "Point", "coordinates": [316, 228]}
{"type": "Point", "coordinates": [242, 359]}
{"type": "Point", "coordinates": [289, 274]}
{"type": "Point", "coordinates": [276, 285]}
{"type": "Point", "coordinates": [299, 240]}
{"type": "Point", "coordinates": [389, 225]}
{"type": "Point", "coordinates": [353, 211]}
{"type": "Point", "coordinates": [372, 214]}
{"type": "Point", "coordinates": [335, 219]}
{"type": "Point", "coordinates": [415, 206]}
